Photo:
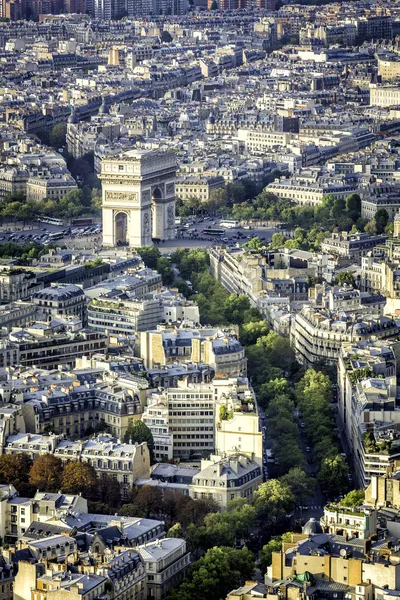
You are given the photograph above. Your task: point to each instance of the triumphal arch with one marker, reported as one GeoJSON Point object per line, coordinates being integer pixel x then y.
{"type": "Point", "coordinates": [138, 198]}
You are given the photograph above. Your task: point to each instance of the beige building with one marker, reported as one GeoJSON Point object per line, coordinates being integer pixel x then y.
{"type": "Point", "coordinates": [217, 348]}
{"type": "Point", "coordinates": [53, 188]}
{"type": "Point", "coordinates": [197, 419]}
{"type": "Point", "coordinates": [197, 187]}
{"type": "Point", "coordinates": [108, 456]}
{"type": "Point", "coordinates": [34, 582]}
{"type": "Point", "coordinates": [389, 66]}
{"type": "Point", "coordinates": [318, 334]}
{"type": "Point", "coordinates": [258, 139]}
{"type": "Point", "coordinates": [384, 490]}
{"type": "Point", "coordinates": [384, 95]}
{"type": "Point", "coordinates": [17, 284]}
{"type": "Point", "coordinates": [78, 410]}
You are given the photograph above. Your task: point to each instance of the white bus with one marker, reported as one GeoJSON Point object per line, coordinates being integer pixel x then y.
{"type": "Point", "coordinates": [229, 224]}
{"type": "Point", "coordinates": [50, 221]}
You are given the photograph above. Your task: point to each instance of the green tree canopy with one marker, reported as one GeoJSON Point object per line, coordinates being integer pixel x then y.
{"type": "Point", "coordinates": [219, 571]}
{"type": "Point", "coordinates": [138, 432]}
{"type": "Point", "coordinates": [300, 483]}
{"type": "Point", "coordinates": [150, 255]}
{"type": "Point", "coordinates": [273, 498]}
{"type": "Point", "coordinates": [345, 278]}
{"type": "Point", "coordinates": [333, 476]}
{"type": "Point", "coordinates": [353, 498]}
{"type": "Point", "coordinates": [381, 220]}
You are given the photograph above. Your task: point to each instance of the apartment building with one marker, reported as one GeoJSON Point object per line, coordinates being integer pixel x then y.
{"type": "Point", "coordinates": [113, 315]}
{"type": "Point", "coordinates": [336, 563]}
{"type": "Point", "coordinates": [389, 202]}
{"type": "Point", "coordinates": [56, 187]}
{"type": "Point", "coordinates": [318, 334]}
{"type": "Point", "coordinates": [108, 456]}
{"type": "Point", "coordinates": [17, 513]}
{"type": "Point", "coordinates": [384, 490]}
{"type": "Point", "coordinates": [194, 419]}
{"type": "Point", "coordinates": [384, 95]}
{"type": "Point", "coordinates": [61, 300]}
{"type": "Point", "coordinates": [257, 139]}
{"type": "Point", "coordinates": [308, 193]}
{"type": "Point", "coordinates": [17, 314]}
{"type": "Point", "coordinates": [226, 478]}
{"type": "Point", "coordinates": [182, 421]}
{"type": "Point", "coordinates": [351, 246]}
{"type": "Point", "coordinates": [32, 445]}
{"type": "Point", "coordinates": [33, 581]}
{"type": "Point", "coordinates": [217, 348]}
{"type": "Point", "coordinates": [17, 284]}
{"type": "Point", "coordinates": [76, 409]}
{"type": "Point", "coordinates": [352, 522]}
{"type": "Point", "coordinates": [367, 406]}
{"type": "Point", "coordinates": [52, 344]}
{"type": "Point", "coordinates": [197, 187]}
{"type": "Point", "coordinates": [166, 562]}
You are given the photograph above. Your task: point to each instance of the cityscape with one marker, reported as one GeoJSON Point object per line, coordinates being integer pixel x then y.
{"type": "Point", "coordinates": [199, 300]}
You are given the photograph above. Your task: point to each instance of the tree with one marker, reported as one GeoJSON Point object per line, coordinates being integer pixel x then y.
{"type": "Point", "coordinates": [163, 266]}
{"type": "Point", "coordinates": [214, 5]}
{"type": "Point", "coordinates": [78, 477]}
{"type": "Point", "coordinates": [235, 308]}
{"type": "Point", "coordinates": [271, 389]}
{"type": "Point", "coordinates": [274, 545]}
{"type": "Point", "coordinates": [110, 491]}
{"type": "Point", "coordinates": [381, 220]}
{"type": "Point", "coordinates": [250, 332]}
{"type": "Point", "coordinates": [300, 483]}
{"type": "Point", "coordinates": [370, 227]}
{"type": "Point", "coordinates": [274, 499]}
{"type": "Point", "coordinates": [333, 476]}
{"type": "Point", "coordinates": [14, 468]}
{"type": "Point", "coordinates": [46, 473]}
{"type": "Point", "coordinates": [175, 531]}
{"type": "Point", "coordinates": [353, 498]}
{"type": "Point", "coordinates": [149, 255]}
{"type": "Point", "coordinates": [129, 510]}
{"type": "Point", "coordinates": [345, 278]}
{"type": "Point", "coordinates": [215, 574]}
{"type": "Point", "coordinates": [217, 199]}
{"type": "Point", "coordinates": [57, 135]}
{"type": "Point", "coordinates": [353, 204]}
{"type": "Point", "coordinates": [166, 37]}
{"type": "Point", "coordinates": [278, 240]}
{"type": "Point", "coordinates": [149, 501]}
{"type": "Point", "coordinates": [138, 432]}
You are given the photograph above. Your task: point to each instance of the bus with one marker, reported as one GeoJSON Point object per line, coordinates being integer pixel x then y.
{"type": "Point", "coordinates": [229, 223]}
{"type": "Point", "coordinates": [55, 236]}
{"type": "Point", "coordinates": [213, 231]}
{"type": "Point", "coordinates": [82, 221]}
{"type": "Point", "coordinates": [50, 221]}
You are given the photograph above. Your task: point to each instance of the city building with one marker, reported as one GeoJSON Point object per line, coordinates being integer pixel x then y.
{"type": "Point", "coordinates": [63, 300]}
{"type": "Point", "coordinates": [225, 479]}
{"type": "Point", "coordinates": [166, 562]}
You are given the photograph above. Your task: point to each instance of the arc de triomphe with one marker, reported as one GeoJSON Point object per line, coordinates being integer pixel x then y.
{"type": "Point", "coordinates": [138, 198]}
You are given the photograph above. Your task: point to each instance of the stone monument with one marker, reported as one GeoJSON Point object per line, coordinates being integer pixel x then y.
{"type": "Point", "coordinates": [138, 190]}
